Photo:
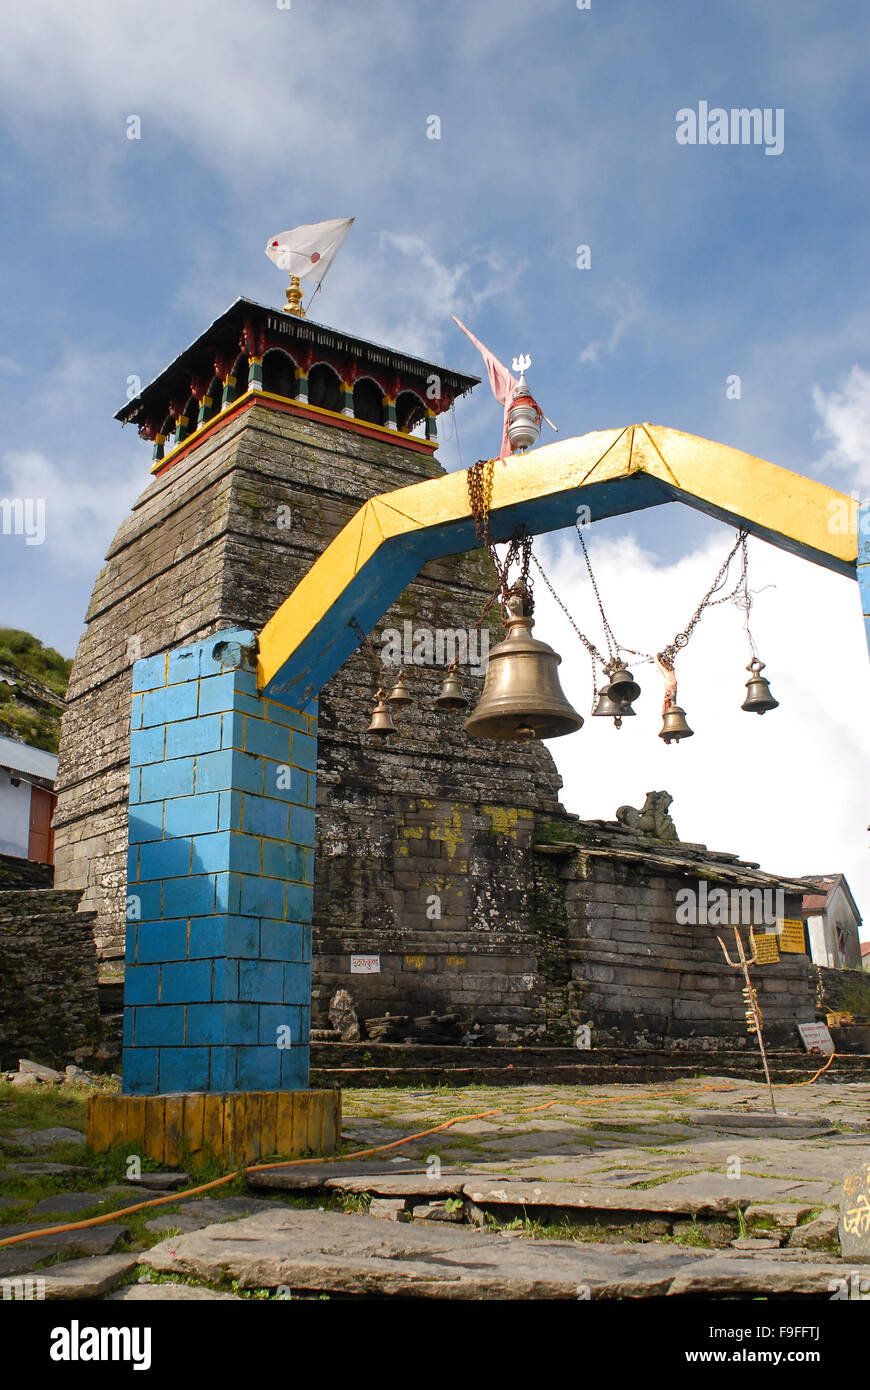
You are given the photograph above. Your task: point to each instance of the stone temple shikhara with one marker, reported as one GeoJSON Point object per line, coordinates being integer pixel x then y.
{"type": "Point", "coordinates": [447, 863]}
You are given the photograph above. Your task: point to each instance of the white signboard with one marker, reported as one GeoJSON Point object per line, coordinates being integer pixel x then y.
{"type": "Point", "coordinates": [816, 1038]}
{"type": "Point", "coordinates": [365, 965]}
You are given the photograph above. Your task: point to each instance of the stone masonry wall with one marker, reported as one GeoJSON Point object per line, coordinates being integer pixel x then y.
{"type": "Point", "coordinates": [49, 1009]}
{"type": "Point", "coordinates": [636, 970]}
{"type": "Point", "coordinates": [202, 550]}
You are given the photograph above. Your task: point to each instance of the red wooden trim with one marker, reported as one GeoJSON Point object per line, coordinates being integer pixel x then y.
{"type": "Point", "coordinates": [289, 407]}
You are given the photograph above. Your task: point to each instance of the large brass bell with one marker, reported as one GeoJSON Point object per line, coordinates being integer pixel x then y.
{"type": "Point", "coordinates": [623, 688]}
{"type": "Point", "coordinates": [451, 696]}
{"type": "Point", "coordinates": [758, 697]}
{"type": "Point", "coordinates": [675, 727]}
{"type": "Point", "coordinates": [522, 697]}
{"type": "Point", "coordinates": [382, 720]}
{"type": "Point", "coordinates": [399, 694]}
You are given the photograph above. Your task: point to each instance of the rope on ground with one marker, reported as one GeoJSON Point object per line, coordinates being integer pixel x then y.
{"type": "Point", "coordinates": [110, 1216]}
{"type": "Point", "coordinates": [812, 1078]}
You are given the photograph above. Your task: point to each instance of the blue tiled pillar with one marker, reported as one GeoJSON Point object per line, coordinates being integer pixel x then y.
{"type": "Point", "coordinates": [864, 563]}
{"type": "Point", "coordinates": [220, 877]}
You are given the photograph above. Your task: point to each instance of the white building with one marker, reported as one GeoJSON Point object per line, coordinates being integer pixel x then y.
{"type": "Point", "coordinates": [27, 778]}
{"type": "Point", "coordinates": [832, 920]}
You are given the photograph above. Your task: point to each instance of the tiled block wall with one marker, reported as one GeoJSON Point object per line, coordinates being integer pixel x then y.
{"type": "Point", "coordinates": [864, 563]}
{"type": "Point", "coordinates": [220, 877]}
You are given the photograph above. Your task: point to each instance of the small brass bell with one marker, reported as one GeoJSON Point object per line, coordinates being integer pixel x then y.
{"type": "Point", "coordinates": [623, 688]}
{"type": "Point", "coordinates": [606, 705]}
{"type": "Point", "coordinates": [522, 698]}
{"type": "Point", "coordinates": [399, 693]}
{"type": "Point", "coordinates": [758, 697]}
{"type": "Point", "coordinates": [382, 720]}
{"type": "Point", "coordinates": [451, 696]}
{"type": "Point", "coordinates": [675, 727]}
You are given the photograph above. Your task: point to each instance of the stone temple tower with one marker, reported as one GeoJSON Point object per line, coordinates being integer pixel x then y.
{"type": "Point", "coordinates": [445, 862]}
{"type": "Point", "coordinates": [268, 434]}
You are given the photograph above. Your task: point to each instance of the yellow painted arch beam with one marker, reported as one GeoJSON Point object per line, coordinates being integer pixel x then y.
{"type": "Point", "coordinates": [382, 549]}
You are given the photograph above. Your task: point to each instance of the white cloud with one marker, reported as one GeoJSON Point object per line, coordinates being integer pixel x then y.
{"type": "Point", "coordinates": [245, 86]}
{"type": "Point", "coordinates": [403, 291]}
{"type": "Point", "coordinates": [787, 789]}
{"type": "Point", "coordinates": [80, 516]}
{"type": "Point", "coordinates": [845, 420]}
{"type": "Point", "coordinates": [621, 307]}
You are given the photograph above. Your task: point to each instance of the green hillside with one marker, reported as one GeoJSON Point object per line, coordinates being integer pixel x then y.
{"type": "Point", "coordinates": [33, 681]}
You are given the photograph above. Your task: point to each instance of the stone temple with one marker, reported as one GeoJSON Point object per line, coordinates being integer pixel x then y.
{"type": "Point", "coordinates": [451, 861]}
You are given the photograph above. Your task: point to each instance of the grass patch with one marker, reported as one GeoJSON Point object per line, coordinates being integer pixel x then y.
{"type": "Point", "coordinates": [41, 1107]}
{"type": "Point", "coordinates": [645, 1183]}
{"type": "Point", "coordinates": [534, 1230]}
{"type": "Point", "coordinates": [696, 1236]}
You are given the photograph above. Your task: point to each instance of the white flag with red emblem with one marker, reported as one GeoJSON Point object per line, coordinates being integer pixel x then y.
{"type": "Point", "coordinates": [309, 251]}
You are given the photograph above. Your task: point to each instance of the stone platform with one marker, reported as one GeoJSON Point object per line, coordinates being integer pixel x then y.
{"type": "Point", "coordinates": [368, 1064]}
{"type": "Point", "coordinates": [687, 1190]}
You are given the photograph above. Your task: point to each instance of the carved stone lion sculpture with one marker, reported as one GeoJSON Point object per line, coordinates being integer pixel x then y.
{"type": "Point", "coordinates": [652, 819]}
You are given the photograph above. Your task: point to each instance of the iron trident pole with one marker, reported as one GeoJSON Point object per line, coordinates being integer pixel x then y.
{"type": "Point", "coordinates": [753, 1012]}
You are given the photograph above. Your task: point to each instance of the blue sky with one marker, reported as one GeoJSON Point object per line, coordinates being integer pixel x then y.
{"type": "Point", "coordinates": [557, 129]}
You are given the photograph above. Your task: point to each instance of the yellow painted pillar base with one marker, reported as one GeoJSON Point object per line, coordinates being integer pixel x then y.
{"type": "Point", "coordinates": [234, 1127]}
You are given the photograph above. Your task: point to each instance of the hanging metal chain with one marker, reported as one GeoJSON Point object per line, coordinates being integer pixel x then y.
{"type": "Point", "coordinates": [480, 496]}
{"type": "Point", "coordinates": [590, 646]}
{"type": "Point", "coordinates": [612, 644]}
{"type": "Point", "coordinates": [480, 477]}
{"type": "Point", "coordinates": [744, 601]}
{"type": "Point", "coordinates": [369, 650]}
{"type": "Point", "coordinates": [667, 654]}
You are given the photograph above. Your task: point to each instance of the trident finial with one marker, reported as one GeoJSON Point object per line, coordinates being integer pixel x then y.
{"type": "Point", "coordinates": [521, 363]}
{"type": "Point", "coordinates": [753, 1012]}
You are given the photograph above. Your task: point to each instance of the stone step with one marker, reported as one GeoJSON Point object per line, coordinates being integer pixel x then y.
{"type": "Point", "coordinates": [42, 902]}
{"type": "Point", "coordinates": [399, 1064]}
{"type": "Point", "coordinates": [417, 1054]}
{"type": "Point", "coordinates": [337, 1253]}
{"type": "Point", "coordinates": [622, 1075]}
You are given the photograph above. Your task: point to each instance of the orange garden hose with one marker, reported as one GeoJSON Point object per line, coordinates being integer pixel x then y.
{"type": "Point", "coordinates": [343, 1158]}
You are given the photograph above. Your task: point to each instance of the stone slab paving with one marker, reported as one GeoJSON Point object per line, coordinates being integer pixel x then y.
{"type": "Point", "coordinates": [636, 1161]}
{"type": "Point", "coordinates": [323, 1251]}
{"type": "Point", "coordinates": [160, 1182]}
{"type": "Point", "coordinates": [204, 1211]}
{"type": "Point", "coordinates": [169, 1293]}
{"type": "Point", "coordinates": [82, 1278]}
{"type": "Point", "coordinates": [70, 1204]}
{"type": "Point", "coordinates": [36, 1139]}
{"type": "Point", "coordinates": [42, 1169]}
{"type": "Point", "coordinates": [93, 1240]}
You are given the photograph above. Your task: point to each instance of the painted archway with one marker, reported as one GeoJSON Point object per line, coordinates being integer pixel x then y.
{"type": "Point", "coordinates": [223, 764]}
{"type": "Point", "coordinates": [392, 536]}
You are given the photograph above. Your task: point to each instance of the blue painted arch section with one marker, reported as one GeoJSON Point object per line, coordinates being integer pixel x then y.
{"type": "Point", "coordinates": [398, 561]}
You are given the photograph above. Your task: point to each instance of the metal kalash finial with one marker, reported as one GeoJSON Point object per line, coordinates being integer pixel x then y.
{"type": "Point", "coordinates": [754, 1021]}
{"type": "Point", "coordinates": [294, 298]}
{"type": "Point", "coordinates": [524, 418]}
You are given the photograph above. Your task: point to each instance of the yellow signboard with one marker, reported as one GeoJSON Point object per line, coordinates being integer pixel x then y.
{"type": "Point", "coordinates": [766, 948]}
{"type": "Point", "coordinates": [790, 931]}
